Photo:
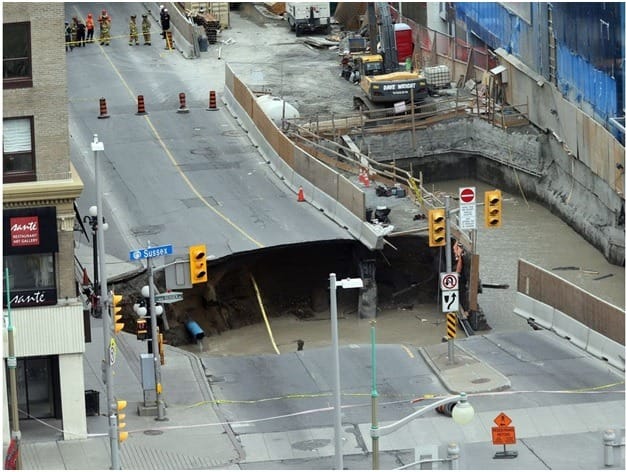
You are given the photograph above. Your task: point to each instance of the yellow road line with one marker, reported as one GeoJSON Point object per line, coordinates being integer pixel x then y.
{"type": "Point", "coordinates": [173, 160]}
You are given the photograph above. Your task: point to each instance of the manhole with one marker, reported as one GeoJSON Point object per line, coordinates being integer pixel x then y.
{"type": "Point", "coordinates": [153, 432]}
{"type": "Point", "coordinates": [311, 444]}
{"type": "Point", "coordinates": [480, 381]}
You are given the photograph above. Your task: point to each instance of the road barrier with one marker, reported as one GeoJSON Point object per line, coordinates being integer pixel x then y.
{"type": "Point", "coordinates": [576, 331]}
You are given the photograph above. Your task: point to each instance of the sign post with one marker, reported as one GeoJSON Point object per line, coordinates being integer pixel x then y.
{"type": "Point", "coordinates": [503, 434]}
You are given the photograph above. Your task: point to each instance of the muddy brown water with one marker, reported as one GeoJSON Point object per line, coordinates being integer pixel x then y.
{"type": "Point", "coordinates": [529, 231]}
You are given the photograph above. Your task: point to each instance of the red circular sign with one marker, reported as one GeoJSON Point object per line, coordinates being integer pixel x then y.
{"type": "Point", "coordinates": [467, 195]}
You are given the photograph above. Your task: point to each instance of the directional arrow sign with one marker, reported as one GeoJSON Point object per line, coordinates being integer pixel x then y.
{"type": "Point", "coordinates": [449, 300]}
{"type": "Point", "coordinates": [168, 297]}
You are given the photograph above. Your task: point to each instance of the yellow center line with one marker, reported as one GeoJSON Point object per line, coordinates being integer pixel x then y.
{"type": "Point", "coordinates": [408, 351]}
{"type": "Point", "coordinates": [173, 160]}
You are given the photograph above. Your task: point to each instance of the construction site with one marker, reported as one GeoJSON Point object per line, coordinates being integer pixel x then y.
{"type": "Point", "coordinates": [471, 123]}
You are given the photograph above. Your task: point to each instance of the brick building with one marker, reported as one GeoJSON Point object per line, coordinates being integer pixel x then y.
{"type": "Point", "coordinates": [39, 187]}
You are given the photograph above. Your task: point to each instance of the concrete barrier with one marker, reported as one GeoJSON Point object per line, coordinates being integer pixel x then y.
{"type": "Point", "coordinates": [531, 309]}
{"type": "Point", "coordinates": [568, 328]}
{"type": "Point", "coordinates": [604, 348]}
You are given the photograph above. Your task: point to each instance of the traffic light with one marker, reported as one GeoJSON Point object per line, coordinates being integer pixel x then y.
{"type": "Point", "coordinates": [197, 264]}
{"type": "Point", "coordinates": [437, 227]}
{"type": "Point", "coordinates": [161, 348]}
{"type": "Point", "coordinates": [116, 308]}
{"type": "Point", "coordinates": [142, 329]}
{"type": "Point", "coordinates": [493, 208]}
{"type": "Point", "coordinates": [119, 406]}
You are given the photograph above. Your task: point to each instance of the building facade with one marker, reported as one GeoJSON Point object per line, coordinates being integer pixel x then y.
{"type": "Point", "coordinates": [39, 187]}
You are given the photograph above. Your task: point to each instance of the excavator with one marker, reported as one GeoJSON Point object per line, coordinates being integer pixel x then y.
{"type": "Point", "coordinates": [380, 76]}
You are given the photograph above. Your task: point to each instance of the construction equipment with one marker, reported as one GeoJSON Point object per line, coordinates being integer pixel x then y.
{"type": "Point", "coordinates": [380, 75]}
{"type": "Point", "coordinates": [313, 17]}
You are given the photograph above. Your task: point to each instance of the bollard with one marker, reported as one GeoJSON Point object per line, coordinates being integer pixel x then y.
{"type": "Point", "coordinates": [300, 343]}
{"type": "Point", "coordinates": [609, 443]}
{"type": "Point", "coordinates": [194, 330]}
{"type": "Point", "coordinates": [141, 108]}
{"type": "Point", "coordinates": [453, 455]}
{"type": "Point", "coordinates": [103, 108]}
{"type": "Point", "coordinates": [212, 101]}
{"type": "Point", "coordinates": [183, 103]}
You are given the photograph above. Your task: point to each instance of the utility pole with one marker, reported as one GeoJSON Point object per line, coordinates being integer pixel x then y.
{"type": "Point", "coordinates": [375, 445]}
{"type": "Point", "coordinates": [97, 146]}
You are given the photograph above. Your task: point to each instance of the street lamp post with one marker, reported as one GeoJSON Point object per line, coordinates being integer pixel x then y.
{"type": "Point", "coordinates": [97, 146]}
{"type": "Point", "coordinates": [462, 413]}
{"type": "Point", "coordinates": [92, 220]}
{"type": "Point", "coordinates": [345, 283]}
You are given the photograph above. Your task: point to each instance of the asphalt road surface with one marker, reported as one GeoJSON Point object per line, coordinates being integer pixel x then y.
{"type": "Point", "coordinates": [168, 177]}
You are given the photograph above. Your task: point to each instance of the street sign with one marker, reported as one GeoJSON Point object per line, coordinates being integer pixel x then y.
{"type": "Point", "coordinates": [449, 300]}
{"type": "Point", "coordinates": [112, 351]}
{"type": "Point", "coordinates": [155, 251]}
{"type": "Point", "coordinates": [467, 194]}
{"type": "Point", "coordinates": [503, 435]}
{"type": "Point", "coordinates": [168, 297]}
{"type": "Point", "coordinates": [502, 420]}
{"type": "Point", "coordinates": [467, 207]}
{"type": "Point", "coordinates": [449, 280]}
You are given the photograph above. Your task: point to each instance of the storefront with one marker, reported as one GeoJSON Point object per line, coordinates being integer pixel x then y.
{"type": "Point", "coordinates": [30, 245]}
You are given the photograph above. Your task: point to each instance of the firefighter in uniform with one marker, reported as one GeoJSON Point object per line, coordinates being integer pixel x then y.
{"type": "Point", "coordinates": [134, 34]}
{"type": "Point", "coordinates": [105, 28]}
{"type": "Point", "coordinates": [145, 29]}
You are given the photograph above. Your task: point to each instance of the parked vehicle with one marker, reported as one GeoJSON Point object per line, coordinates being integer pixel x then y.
{"type": "Point", "coordinates": [308, 17]}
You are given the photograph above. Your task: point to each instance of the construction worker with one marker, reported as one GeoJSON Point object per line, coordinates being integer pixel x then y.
{"type": "Point", "coordinates": [145, 29]}
{"type": "Point", "coordinates": [74, 28]}
{"type": "Point", "coordinates": [68, 37]}
{"type": "Point", "coordinates": [90, 27]}
{"type": "Point", "coordinates": [134, 34]}
{"type": "Point", "coordinates": [80, 33]}
{"type": "Point", "coordinates": [105, 28]}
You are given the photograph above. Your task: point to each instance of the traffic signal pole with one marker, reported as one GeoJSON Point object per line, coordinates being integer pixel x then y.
{"type": "Point", "coordinates": [449, 269]}
{"type": "Point", "coordinates": [109, 346]}
{"type": "Point", "coordinates": [155, 349]}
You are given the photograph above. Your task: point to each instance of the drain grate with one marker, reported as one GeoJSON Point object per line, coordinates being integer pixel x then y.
{"type": "Point", "coordinates": [153, 432]}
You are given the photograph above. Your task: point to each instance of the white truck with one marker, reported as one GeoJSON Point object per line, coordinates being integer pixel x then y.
{"type": "Point", "coordinates": [310, 17]}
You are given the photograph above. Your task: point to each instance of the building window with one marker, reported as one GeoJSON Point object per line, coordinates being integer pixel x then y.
{"type": "Point", "coordinates": [19, 158]}
{"type": "Point", "coordinates": [17, 65]}
{"type": "Point", "coordinates": [31, 279]}
{"type": "Point", "coordinates": [37, 387]}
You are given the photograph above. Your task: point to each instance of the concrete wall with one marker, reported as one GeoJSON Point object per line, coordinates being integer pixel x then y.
{"type": "Point", "coordinates": [326, 189]}
{"type": "Point", "coordinates": [543, 167]}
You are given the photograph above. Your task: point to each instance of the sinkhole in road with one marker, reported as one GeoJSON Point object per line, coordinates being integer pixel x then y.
{"type": "Point", "coordinates": [294, 281]}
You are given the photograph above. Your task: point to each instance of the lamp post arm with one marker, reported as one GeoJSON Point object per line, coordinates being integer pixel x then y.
{"type": "Point", "coordinates": [390, 428]}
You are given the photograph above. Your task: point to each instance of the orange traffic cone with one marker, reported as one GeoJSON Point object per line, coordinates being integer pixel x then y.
{"type": "Point", "coordinates": [103, 109]}
{"type": "Point", "coordinates": [361, 173]}
{"type": "Point", "coordinates": [301, 195]}
{"type": "Point", "coordinates": [366, 179]}
{"type": "Point", "coordinates": [141, 106]}
{"type": "Point", "coordinates": [212, 101]}
{"type": "Point", "coordinates": [183, 103]}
